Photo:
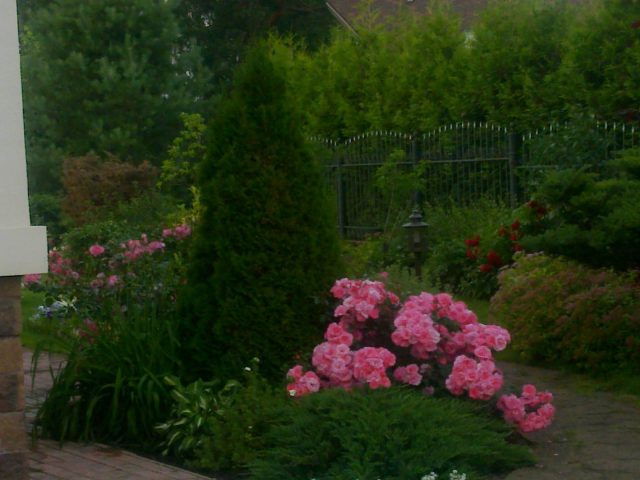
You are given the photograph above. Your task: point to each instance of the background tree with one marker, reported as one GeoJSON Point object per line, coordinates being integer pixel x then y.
{"type": "Point", "coordinates": [601, 70]}
{"type": "Point", "coordinates": [402, 76]}
{"type": "Point", "coordinates": [105, 77]}
{"type": "Point", "coordinates": [516, 50]}
{"type": "Point", "coordinates": [266, 251]}
{"type": "Point", "coordinates": [224, 28]}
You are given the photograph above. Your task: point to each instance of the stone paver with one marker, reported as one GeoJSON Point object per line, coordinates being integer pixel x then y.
{"type": "Point", "coordinates": [73, 461]}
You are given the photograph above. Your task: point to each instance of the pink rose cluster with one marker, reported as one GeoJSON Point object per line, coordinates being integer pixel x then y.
{"type": "Point", "coordinates": [428, 339]}
{"type": "Point", "coordinates": [531, 411]}
{"type": "Point", "coordinates": [135, 249]}
{"type": "Point", "coordinates": [481, 379]}
{"type": "Point", "coordinates": [61, 267]}
{"type": "Point", "coordinates": [179, 232]}
{"type": "Point", "coordinates": [361, 300]}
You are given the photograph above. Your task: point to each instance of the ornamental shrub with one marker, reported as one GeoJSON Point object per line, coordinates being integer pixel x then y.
{"type": "Point", "coordinates": [266, 248]}
{"type": "Point", "coordinates": [430, 342]}
{"type": "Point", "coordinates": [395, 434]}
{"type": "Point", "coordinates": [593, 217]}
{"type": "Point", "coordinates": [565, 314]}
{"type": "Point", "coordinates": [92, 183]}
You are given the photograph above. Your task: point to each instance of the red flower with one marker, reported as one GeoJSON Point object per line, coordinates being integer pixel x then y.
{"type": "Point", "coordinates": [517, 247]}
{"type": "Point", "coordinates": [473, 241]}
{"type": "Point", "coordinates": [532, 204]}
{"type": "Point", "coordinates": [515, 225]}
{"type": "Point", "coordinates": [502, 231]}
{"type": "Point", "coordinates": [635, 25]}
{"type": "Point", "coordinates": [472, 254]}
{"type": "Point", "coordinates": [486, 268]}
{"type": "Point", "coordinates": [494, 259]}
{"type": "Point", "coordinates": [514, 236]}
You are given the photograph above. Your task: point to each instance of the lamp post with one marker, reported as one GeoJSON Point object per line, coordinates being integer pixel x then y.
{"type": "Point", "coordinates": [23, 248]}
{"type": "Point", "coordinates": [416, 238]}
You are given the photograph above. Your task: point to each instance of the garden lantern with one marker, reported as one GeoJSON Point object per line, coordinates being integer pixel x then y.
{"type": "Point", "coordinates": [416, 238]}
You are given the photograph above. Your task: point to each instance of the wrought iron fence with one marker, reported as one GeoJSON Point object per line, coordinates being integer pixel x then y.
{"type": "Point", "coordinates": [457, 163]}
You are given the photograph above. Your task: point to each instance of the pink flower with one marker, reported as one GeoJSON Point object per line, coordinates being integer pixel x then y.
{"type": "Point", "coordinates": [113, 280]}
{"type": "Point", "coordinates": [96, 250]}
{"type": "Point", "coordinates": [182, 231]}
{"type": "Point", "coordinates": [295, 372]}
{"type": "Point", "coordinates": [530, 412]}
{"type": "Point", "coordinates": [155, 246]}
{"type": "Point", "coordinates": [336, 334]}
{"type": "Point", "coordinates": [303, 384]}
{"type": "Point", "coordinates": [167, 232]}
{"type": "Point", "coordinates": [480, 379]}
{"type": "Point", "coordinates": [409, 374]}
{"type": "Point", "coordinates": [31, 279]}
{"type": "Point", "coordinates": [370, 365]}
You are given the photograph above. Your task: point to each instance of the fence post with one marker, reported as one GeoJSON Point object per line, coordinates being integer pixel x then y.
{"type": "Point", "coordinates": [416, 154]}
{"type": "Point", "coordinates": [342, 212]}
{"type": "Point", "coordinates": [514, 148]}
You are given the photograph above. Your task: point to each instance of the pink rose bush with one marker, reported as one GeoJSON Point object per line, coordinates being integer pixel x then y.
{"type": "Point", "coordinates": [113, 276]}
{"type": "Point", "coordinates": [431, 342]}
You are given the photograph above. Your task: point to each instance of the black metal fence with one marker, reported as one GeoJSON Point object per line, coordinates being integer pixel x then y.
{"type": "Point", "coordinates": [457, 163]}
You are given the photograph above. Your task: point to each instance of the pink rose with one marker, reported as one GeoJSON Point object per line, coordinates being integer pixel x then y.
{"type": "Point", "coordinates": [96, 250]}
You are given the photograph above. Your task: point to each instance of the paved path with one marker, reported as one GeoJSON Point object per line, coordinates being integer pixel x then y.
{"type": "Point", "coordinates": [47, 461]}
{"type": "Point", "coordinates": [595, 436]}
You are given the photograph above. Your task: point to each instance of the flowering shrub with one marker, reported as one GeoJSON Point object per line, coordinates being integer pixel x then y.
{"type": "Point", "coordinates": [431, 342]}
{"type": "Point", "coordinates": [115, 307]}
{"type": "Point", "coordinates": [109, 277]}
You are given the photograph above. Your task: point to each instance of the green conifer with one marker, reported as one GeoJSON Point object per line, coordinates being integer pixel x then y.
{"type": "Point", "coordinates": [266, 250]}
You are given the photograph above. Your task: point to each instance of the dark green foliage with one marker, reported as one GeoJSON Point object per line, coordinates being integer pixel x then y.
{"type": "Point", "coordinates": [516, 50]}
{"type": "Point", "coordinates": [221, 429]}
{"type": "Point", "coordinates": [266, 251]}
{"type": "Point", "coordinates": [564, 314]}
{"type": "Point", "coordinates": [46, 210]}
{"type": "Point", "coordinates": [238, 434]}
{"type": "Point", "coordinates": [593, 218]}
{"type": "Point", "coordinates": [105, 77]}
{"type": "Point", "coordinates": [404, 77]}
{"type": "Point", "coordinates": [601, 66]}
{"type": "Point", "coordinates": [223, 29]}
{"type": "Point", "coordinates": [395, 434]}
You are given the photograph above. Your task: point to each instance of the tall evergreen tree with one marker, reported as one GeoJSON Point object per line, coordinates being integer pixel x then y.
{"type": "Point", "coordinates": [266, 249]}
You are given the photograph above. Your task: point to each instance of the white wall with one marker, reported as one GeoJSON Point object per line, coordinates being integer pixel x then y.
{"type": "Point", "coordinates": [22, 248]}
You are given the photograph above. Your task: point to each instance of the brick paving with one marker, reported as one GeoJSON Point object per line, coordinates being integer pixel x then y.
{"type": "Point", "coordinates": [73, 461]}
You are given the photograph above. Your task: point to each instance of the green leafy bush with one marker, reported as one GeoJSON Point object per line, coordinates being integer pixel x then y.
{"type": "Point", "coordinates": [593, 218]}
{"type": "Point", "coordinates": [266, 248]}
{"type": "Point", "coordinates": [220, 429]}
{"type": "Point", "coordinates": [389, 433]}
{"type": "Point", "coordinates": [562, 313]}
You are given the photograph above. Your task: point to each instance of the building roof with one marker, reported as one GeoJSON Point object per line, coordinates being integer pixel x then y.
{"type": "Point", "coordinates": [346, 11]}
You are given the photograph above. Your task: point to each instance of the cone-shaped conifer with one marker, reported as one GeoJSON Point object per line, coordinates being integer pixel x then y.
{"type": "Point", "coordinates": [266, 250]}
